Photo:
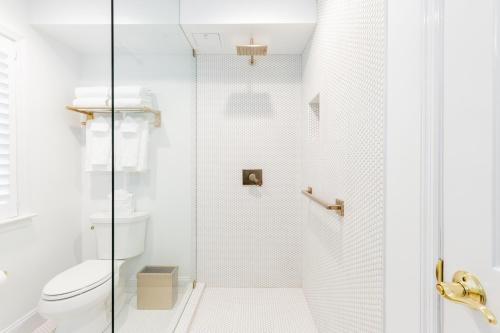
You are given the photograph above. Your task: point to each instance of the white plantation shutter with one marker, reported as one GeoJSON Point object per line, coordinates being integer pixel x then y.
{"type": "Point", "coordinates": [8, 186]}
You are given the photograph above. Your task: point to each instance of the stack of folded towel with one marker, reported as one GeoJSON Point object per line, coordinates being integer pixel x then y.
{"type": "Point", "coordinates": [125, 97]}
{"type": "Point", "coordinates": [94, 97]}
{"type": "Point", "coordinates": [132, 96]}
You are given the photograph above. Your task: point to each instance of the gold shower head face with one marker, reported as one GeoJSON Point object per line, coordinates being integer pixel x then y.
{"type": "Point", "coordinates": [251, 50]}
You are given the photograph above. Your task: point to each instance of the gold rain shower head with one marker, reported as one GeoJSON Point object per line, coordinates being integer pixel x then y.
{"type": "Point", "coordinates": [251, 50]}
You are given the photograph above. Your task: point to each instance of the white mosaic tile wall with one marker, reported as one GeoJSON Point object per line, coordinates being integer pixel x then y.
{"type": "Point", "coordinates": [343, 257]}
{"type": "Point", "coordinates": [248, 118]}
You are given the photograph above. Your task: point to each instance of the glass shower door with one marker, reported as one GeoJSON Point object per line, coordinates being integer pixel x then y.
{"type": "Point", "coordinates": [154, 166]}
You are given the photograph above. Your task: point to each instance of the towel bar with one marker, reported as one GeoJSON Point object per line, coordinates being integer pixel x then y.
{"type": "Point", "coordinates": [338, 206]}
{"type": "Point", "coordinates": [89, 112]}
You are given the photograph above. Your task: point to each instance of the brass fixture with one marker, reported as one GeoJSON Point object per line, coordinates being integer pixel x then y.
{"type": "Point", "coordinates": [90, 111]}
{"type": "Point", "coordinates": [252, 177]}
{"type": "Point", "coordinates": [338, 206]}
{"type": "Point", "coordinates": [465, 288]}
{"type": "Point", "coordinates": [251, 50]}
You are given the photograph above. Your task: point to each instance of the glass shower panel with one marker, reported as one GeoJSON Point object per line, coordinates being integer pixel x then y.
{"type": "Point", "coordinates": [154, 165]}
{"type": "Point", "coordinates": [55, 166]}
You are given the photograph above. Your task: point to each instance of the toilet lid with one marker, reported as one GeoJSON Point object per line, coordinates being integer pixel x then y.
{"type": "Point", "coordinates": [78, 279]}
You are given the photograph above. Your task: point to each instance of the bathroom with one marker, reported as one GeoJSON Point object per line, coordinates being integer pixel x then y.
{"type": "Point", "coordinates": [216, 166]}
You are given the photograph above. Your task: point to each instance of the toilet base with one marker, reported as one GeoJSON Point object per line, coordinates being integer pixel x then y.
{"type": "Point", "coordinates": [93, 320]}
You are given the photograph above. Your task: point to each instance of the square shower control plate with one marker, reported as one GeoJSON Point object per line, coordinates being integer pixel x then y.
{"type": "Point", "coordinates": [252, 177]}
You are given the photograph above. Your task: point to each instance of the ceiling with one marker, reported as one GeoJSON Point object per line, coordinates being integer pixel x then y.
{"type": "Point", "coordinates": [94, 39]}
{"type": "Point", "coordinates": [177, 26]}
{"type": "Point", "coordinates": [223, 38]}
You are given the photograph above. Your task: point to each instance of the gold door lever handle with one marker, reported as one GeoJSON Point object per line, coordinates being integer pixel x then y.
{"type": "Point", "coordinates": [465, 288]}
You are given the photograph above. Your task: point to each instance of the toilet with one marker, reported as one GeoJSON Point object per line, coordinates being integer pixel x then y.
{"type": "Point", "coordinates": [78, 300]}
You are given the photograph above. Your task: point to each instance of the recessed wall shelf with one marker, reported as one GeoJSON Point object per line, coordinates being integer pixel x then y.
{"type": "Point", "coordinates": [90, 111]}
{"type": "Point", "coordinates": [313, 117]}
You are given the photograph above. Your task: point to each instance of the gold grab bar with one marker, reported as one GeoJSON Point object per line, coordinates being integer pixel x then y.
{"type": "Point", "coordinates": [338, 206]}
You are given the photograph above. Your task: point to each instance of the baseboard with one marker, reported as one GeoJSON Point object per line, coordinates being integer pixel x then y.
{"type": "Point", "coordinates": [27, 323]}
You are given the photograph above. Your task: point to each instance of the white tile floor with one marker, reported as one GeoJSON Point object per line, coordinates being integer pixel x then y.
{"type": "Point", "coordinates": [252, 310]}
{"type": "Point", "coordinates": [133, 320]}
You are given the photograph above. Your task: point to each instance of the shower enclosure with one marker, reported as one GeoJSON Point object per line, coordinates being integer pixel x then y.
{"type": "Point", "coordinates": [174, 167]}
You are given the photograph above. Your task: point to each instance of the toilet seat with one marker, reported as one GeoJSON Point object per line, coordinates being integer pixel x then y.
{"type": "Point", "coordinates": [78, 280]}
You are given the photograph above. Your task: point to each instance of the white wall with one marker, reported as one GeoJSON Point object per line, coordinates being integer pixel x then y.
{"type": "Point", "coordinates": [248, 118]}
{"type": "Point", "coordinates": [166, 190]}
{"type": "Point", "coordinates": [48, 170]}
{"type": "Point", "coordinates": [343, 271]}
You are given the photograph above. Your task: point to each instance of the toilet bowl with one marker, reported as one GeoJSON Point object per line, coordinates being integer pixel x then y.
{"type": "Point", "coordinates": [78, 300]}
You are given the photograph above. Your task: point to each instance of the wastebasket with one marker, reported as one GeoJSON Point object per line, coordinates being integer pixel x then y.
{"type": "Point", "coordinates": [157, 287]}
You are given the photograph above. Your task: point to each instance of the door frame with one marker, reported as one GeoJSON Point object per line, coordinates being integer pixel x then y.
{"type": "Point", "coordinates": [431, 205]}
{"type": "Point", "coordinates": [496, 124]}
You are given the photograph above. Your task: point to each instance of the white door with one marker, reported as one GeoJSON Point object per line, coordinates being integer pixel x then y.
{"type": "Point", "coordinates": [470, 147]}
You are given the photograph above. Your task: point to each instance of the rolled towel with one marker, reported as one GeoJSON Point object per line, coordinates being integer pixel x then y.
{"type": "Point", "coordinates": [130, 92]}
{"type": "Point", "coordinates": [91, 102]}
{"type": "Point", "coordinates": [130, 102]}
{"type": "Point", "coordinates": [84, 92]}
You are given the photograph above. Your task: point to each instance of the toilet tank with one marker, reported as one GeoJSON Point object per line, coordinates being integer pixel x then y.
{"type": "Point", "coordinates": [130, 234]}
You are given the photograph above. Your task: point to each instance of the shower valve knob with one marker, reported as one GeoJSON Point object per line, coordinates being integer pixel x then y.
{"type": "Point", "coordinates": [252, 177]}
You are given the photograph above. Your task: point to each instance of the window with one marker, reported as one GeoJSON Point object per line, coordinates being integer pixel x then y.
{"type": "Point", "coordinates": [8, 186]}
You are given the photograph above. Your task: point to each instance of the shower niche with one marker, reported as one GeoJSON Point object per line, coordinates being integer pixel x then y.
{"type": "Point", "coordinates": [314, 118]}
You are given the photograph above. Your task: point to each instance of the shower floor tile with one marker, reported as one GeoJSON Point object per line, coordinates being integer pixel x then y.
{"type": "Point", "coordinates": [252, 310]}
{"type": "Point", "coordinates": [133, 320]}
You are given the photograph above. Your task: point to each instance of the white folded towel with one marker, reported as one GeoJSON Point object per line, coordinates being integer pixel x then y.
{"type": "Point", "coordinates": [129, 125]}
{"type": "Point", "coordinates": [144, 147]}
{"type": "Point", "coordinates": [130, 92]}
{"type": "Point", "coordinates": [84, 92]}
{"type": "Point", "coordinates": [98, 145]}
{"type": "Point", "coordinates": [128, 139]}
{"type": "Point", "coordinates": [132, 140]}
{"type": "Point", "coordinates": [90, 102]}
{"type": "Point", "coordinates": [130, 102]}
